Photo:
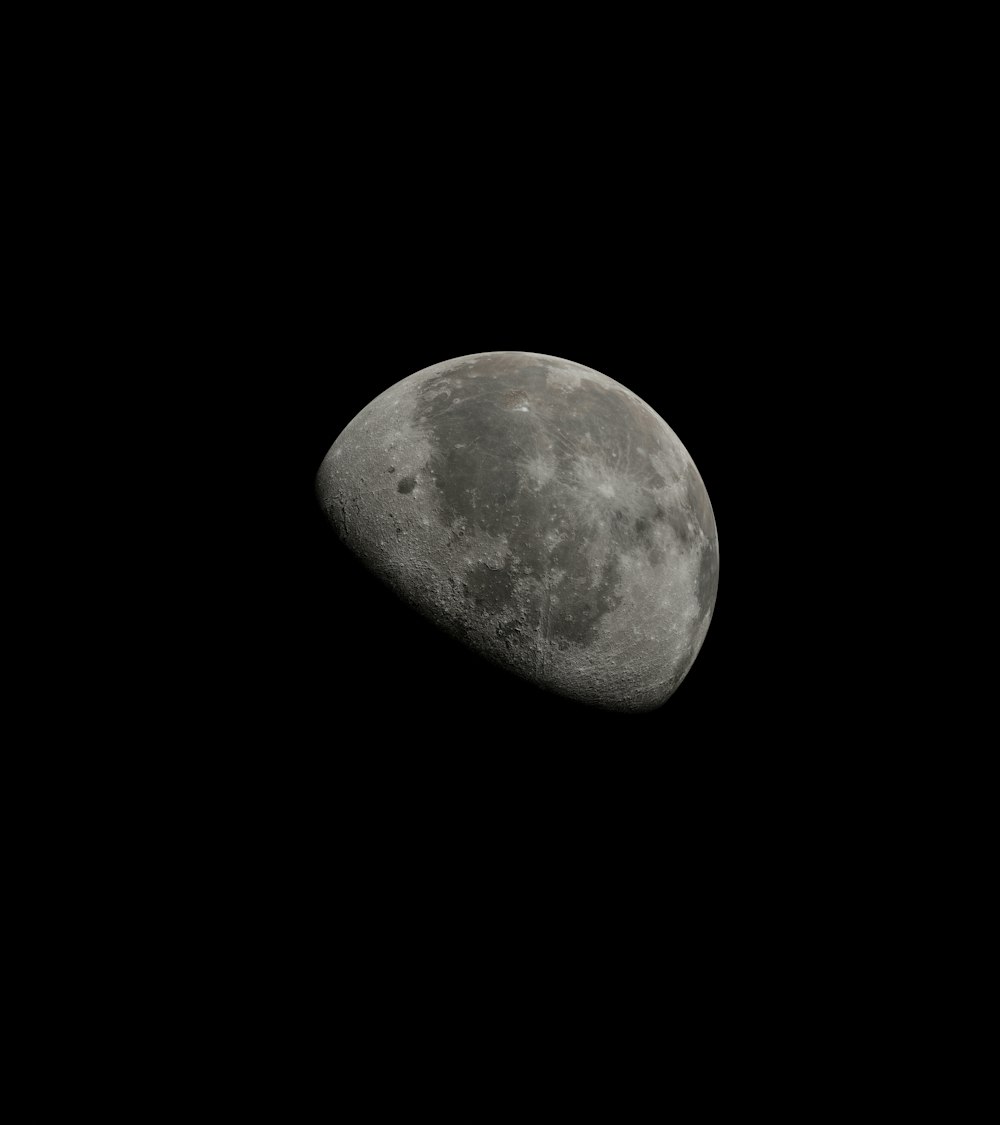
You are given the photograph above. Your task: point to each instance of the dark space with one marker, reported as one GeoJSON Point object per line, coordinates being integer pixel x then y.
{"type": "Point", "coordinates": [367, 814]}
{"type": "Point", "coordinates": [386, 803]}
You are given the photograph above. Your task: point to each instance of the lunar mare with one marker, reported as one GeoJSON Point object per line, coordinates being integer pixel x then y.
{"type": "Point", "coordinates": [541, 513]}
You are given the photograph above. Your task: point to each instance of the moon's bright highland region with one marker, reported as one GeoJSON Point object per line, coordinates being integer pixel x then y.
{"type": "Point", "coordinates": [541, 513]}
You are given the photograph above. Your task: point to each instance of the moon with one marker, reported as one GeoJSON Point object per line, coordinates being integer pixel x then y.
{"type": "Point", "coordinates": [539, 512]}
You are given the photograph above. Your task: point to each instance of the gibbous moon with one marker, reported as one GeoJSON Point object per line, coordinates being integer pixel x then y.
{"type": "Point", "coordinates": [539, 512]}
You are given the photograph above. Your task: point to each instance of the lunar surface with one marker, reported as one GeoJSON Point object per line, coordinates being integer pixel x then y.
{"type": "Point", "coordinates": [541, 513]}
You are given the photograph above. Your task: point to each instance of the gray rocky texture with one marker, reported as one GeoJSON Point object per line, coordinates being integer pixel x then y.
{"type": "Point", "coordinates": [541, 513]}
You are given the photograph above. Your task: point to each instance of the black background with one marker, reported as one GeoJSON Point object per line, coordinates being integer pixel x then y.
{"type": "Point", "coordinates": [376, 808]}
